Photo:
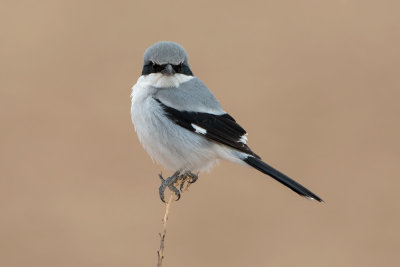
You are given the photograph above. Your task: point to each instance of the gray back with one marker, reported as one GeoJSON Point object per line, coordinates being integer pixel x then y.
{"type": "Point", "coordinates": [192, 95]}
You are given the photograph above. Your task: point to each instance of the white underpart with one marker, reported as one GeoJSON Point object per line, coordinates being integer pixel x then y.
{"type": "Point", "coordinates": [159, 80]}
{"type": "Point", "coordinates": [243, 139]}
{"type": "Point", "coordinates": [166, 142]}
{"type": "Point", "coordinates": [198, 129]}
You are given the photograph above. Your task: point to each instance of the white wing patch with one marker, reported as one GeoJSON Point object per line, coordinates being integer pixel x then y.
{"type": "Point", "coordinates": [243, 139]}
{"type": "Point", "coordinates": [198, 129]}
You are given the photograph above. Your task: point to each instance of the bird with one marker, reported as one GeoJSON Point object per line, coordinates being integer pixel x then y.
{"type": "Point", "coordinates": [182, 126]}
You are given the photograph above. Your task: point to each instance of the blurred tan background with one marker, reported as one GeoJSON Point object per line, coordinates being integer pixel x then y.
{"type": "Point", "coordinates": [315, 83]}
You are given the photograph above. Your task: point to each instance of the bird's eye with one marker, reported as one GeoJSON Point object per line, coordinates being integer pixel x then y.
{"type": "Point", "coordinates": [177, 68]}
{"type": "Point", "coordinates": [156, 67]}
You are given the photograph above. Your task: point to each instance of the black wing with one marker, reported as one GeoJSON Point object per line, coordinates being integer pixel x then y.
{"type": "Point", "coordinates": [222, 129]}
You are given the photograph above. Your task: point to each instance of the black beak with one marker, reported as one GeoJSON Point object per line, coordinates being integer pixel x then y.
{"type": "Point", "coordinates": [168, 70]}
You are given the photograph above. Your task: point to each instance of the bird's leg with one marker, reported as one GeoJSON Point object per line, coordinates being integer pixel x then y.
{"type": "Point", "coordinates": [169, 182]}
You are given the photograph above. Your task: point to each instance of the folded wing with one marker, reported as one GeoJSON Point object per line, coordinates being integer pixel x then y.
{"type": "Point", "coordinates": [222, 128]}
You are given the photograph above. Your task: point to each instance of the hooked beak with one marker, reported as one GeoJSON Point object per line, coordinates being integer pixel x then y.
{"type": "Point", "coordinates": [168, 70]}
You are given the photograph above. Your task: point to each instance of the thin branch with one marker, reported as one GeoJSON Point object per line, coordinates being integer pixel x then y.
{"type": "Point", "coordinates": [160, 252]}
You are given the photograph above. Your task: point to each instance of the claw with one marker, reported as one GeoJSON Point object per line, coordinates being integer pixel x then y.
{"type": "Point", "coordinates": [169, 182]}
{"type": "Point", "coordinates": [183, 180]}
{"type": "Point", "coordinates": [176, 191]}
{"type": "Point", "coordinates": [181, 186]}
{"type": "Point", "coordinates": [193, 177]}
{"type": "Point", "coordinates": [161, 192]}
{"type": "Point", "coordinates": [162, 188]}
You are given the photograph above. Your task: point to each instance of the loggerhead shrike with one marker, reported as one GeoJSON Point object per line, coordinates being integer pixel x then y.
{"type": "Point", "coordinates": [182, 126]}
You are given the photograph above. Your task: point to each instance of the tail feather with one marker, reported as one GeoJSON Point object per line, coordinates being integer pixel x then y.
{"type": "Point", "coordinates": [280, 177]}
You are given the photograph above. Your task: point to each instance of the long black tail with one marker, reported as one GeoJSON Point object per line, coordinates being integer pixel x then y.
{"type": "Point", "coordinates": [280, 177]}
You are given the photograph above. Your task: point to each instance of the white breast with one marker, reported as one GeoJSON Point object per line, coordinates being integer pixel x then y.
{"type": "Point", "coordinates": [159, 80]}
{"type": "Point", "coordinates": [167, 143]}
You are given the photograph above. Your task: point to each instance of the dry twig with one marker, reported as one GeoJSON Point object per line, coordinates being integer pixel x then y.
{"type": "Point", "coordinates": [160, 252]}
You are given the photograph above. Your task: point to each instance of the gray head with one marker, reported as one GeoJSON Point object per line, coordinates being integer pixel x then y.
{"type": "Point", "coordinates": [167, 58]}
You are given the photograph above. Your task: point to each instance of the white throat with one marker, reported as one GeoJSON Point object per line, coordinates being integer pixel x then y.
{"type": "Point", "coordinates": [159, 80]}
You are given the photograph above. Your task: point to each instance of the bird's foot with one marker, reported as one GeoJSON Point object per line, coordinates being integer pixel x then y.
{"type": "Point", "coordinates": [178, 179]}
{"type": "Point", "coordinates": [169, 182]}
{"type": "Point", "coordinates": [187, 179]}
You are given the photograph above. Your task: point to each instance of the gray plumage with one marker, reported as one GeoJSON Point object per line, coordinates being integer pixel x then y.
{"type": "Point", "coordinates": [166, 142]}
{"type": "Point", "coordinates": [165, 52]}
{"type": "Point", "coordinates": [192, 95]}
{"type": "Point", "coordinates": [181, 124]}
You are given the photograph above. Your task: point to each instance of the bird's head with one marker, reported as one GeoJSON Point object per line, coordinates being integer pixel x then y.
{"type": "Point", "coordinates": [167, 59]}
